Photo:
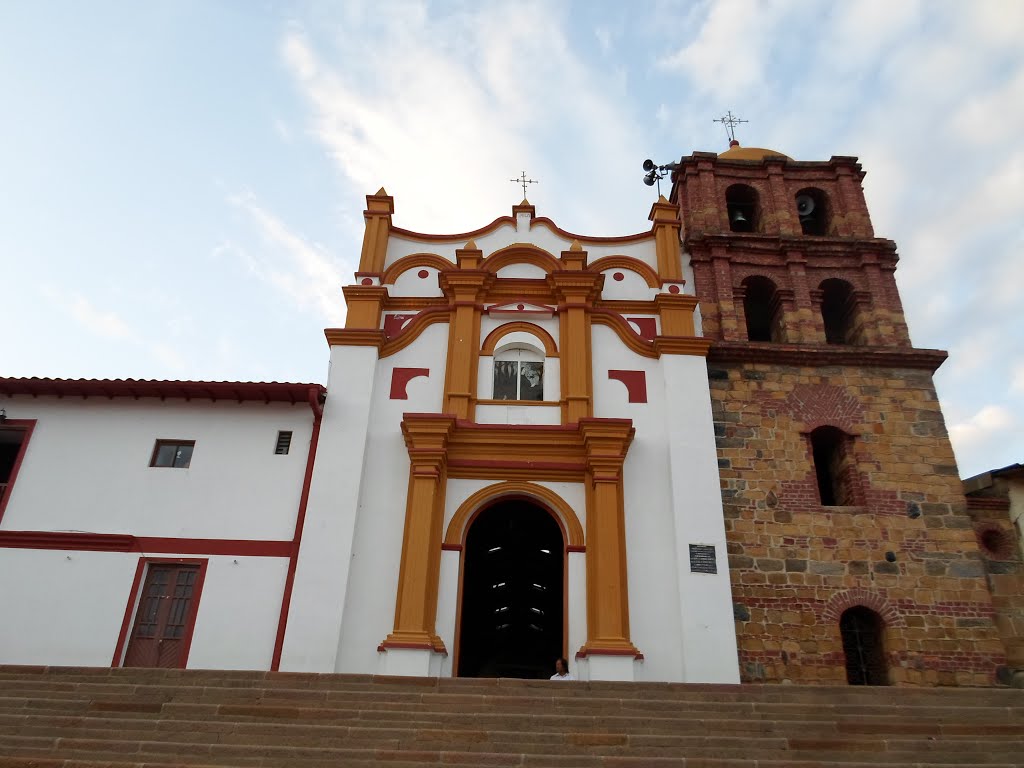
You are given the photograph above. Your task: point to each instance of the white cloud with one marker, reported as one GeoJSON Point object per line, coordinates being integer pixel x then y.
{"type": "Point", "coordinates": [604, 38]}
{"type": "Point", "coordinates": [307, 273]}
{"type": "Point", "coordinates": [1017, 380]}
{"type": "Point", "coordinates": [102, 322]}
{"type": "Point", "coordinates": [443, 126]}
{"type": "Point", "coordinates": [988, 423]}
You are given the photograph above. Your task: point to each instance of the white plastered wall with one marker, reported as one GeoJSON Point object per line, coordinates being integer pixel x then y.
{"type": "Point", "coordinates": [67, 608]}
{"type": "Point", "coordinates": [380, 523]}
{"type": "Point", "coordinates": [86, 468]}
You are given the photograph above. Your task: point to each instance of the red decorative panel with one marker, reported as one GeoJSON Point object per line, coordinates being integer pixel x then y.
{"type": "Point", "coordinates": [400, 377]}
{"type": "Point", "coordinates": [636, 384]}
{"type": "Point", "coordinates": [647, 327]}
{"type": "Point", "coordinates": [395, 324]}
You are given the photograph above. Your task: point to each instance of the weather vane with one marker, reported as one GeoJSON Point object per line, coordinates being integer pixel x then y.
{"type": "Point", "coordinates": [524, 181]}
{"type": "Point", "coordinates": [730, 121]}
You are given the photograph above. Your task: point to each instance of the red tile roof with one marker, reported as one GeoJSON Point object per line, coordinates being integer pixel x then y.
{"type": "Point", "coordinates": [265, 391]}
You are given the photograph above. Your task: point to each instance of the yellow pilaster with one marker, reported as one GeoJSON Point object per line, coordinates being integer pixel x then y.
{"type": "Point", "coordinates": [666, 239]}
{"type": "Point", "coordinates": [465, 289]}
{"type": "Point", "coordinates": [576, 292]}
{"type": "Point", "coordinates": [606, 441]}
{"type": "Point", "coordinates": [364, 303]}
{"type": "Point", "coordinates": [426, 437]}
{"type": "Point", "coordinates": [377, 215]}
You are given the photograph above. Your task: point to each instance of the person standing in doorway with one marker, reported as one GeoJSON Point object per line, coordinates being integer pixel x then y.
{"type": "Point", "coordinates": [562, 670]}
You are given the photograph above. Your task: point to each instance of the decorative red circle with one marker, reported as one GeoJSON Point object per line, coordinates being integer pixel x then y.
{"type": "Point", "coordinates": [619, 276]}
{"type": "Point", "coordinates": [367, 281]}
{"type": "Point", "coordinates": [520, 306]}
{"type": "Point", "coordinates": [423, 274]}
{"type": "Point", "coordinates": [673, 289]}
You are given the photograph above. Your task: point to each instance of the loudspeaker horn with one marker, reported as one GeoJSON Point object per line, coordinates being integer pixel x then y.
{"type": "Point", "coordinates": [804, 205]}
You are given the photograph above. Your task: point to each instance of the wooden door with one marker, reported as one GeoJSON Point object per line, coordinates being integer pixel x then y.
{"type": "Point", "coordinates": [165, 613]}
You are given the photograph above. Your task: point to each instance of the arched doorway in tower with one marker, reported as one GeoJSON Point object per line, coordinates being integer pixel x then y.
{"type": "Point", "coordinates": [861, 630]}
{"type": "Point", "coordinates": [512, 612]}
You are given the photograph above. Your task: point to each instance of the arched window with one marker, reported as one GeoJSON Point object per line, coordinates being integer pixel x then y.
{"type": "Point", "coordinates": [839, 312]}
{"type": "Point", "coordinates": [518, 374]}
{"type": "Point", "coordinates": [834, 467]}
{"type": "Point", "coordinates": [813, 209]}
{"type": "Point", "coordinates": [762, 310]}
{"type": "Point", "coordinates": [742, 204]}
{"type": "Point", "coordinates": [861, 629]}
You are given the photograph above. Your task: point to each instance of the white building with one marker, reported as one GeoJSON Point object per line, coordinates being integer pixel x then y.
{"type": "Point", "coordinates": [513, 460]}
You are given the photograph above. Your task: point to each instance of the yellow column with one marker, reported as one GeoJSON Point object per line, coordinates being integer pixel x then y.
{"type": "Point", "coordinates": [576, 292]}
{"type": "Point", "coordinates": [426, 437]}
{"type": "Point", "coordinates": [606, 441]}
{"type": "Point", "coordinates": [377, 215]}
{"type": "Point", "coordinates": [666, 239]}
{"type": "Point", "coordinates": [465, 288]}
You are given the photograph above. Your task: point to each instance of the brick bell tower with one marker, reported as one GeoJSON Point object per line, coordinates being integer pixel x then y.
{"type": "Point", "coordinates": [852, 556]}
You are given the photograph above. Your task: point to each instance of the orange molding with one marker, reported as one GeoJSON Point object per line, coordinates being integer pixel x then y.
{"type": "Point", "coordinates": [404, 264]}
{"type": "Point", "coordinates": [354, 337]}
{"type": "Point", "coordinates": [682, 345]}
{"type": "Point", "coordinates": [627, 262]}
{"type": "Point", "coordinates": [625, 332]}
{"type": "Point", "coordinates": [522, 253]}
{"type": "Point", "coordinates": [412, 331]}
{"type": "Point", "coordinates": [550, 348]}
{"type": "Point", "coordinates": [572, 530]}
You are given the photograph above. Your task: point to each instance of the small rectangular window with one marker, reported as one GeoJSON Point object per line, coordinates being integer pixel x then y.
{"type": "Point", "coordinates": [284, 442]}
{"type": "Point", "coordinates": [172, 453]}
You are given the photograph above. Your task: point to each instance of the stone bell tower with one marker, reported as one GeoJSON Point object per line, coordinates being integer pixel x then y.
{"type": "Point", "coordinates": [851, 553]}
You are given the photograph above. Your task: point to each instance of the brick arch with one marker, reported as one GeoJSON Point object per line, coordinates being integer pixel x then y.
{"type": "Point", "coordinates": [867, 598]}
{"type": "Point", "coordinates": [555, 505]}
{"type": "Point", "coordinates": [820, 405]}
{"type": "Point", "coordinates": [522, 253]}
{"type": "Point", "coordinates": [550, 348]}
{"type": "Point", "coordinates": [412, 261]}
{"type": "Point", "coordinates": [646, 271]}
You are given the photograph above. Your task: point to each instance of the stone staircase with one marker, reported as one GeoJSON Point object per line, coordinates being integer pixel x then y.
{"type": "Point", "coordinates": [73, 717]}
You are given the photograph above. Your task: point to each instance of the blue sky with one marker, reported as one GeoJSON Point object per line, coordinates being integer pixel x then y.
{"type": "Point", "coordinates": [182, 183]}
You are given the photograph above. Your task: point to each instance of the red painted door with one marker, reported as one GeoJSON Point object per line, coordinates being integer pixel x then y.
{"type": "Point", "coordinates": [161, 625]}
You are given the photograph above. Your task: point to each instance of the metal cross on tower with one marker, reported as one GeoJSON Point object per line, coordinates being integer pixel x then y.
{"type": "Point", "coordinates": [730, 121]}
{"type": "Point", "coordinates": [524, 181]}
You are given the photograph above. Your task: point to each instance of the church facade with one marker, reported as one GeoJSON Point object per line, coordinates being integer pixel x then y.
{"type": "Point", "coordinates": [707, 452]}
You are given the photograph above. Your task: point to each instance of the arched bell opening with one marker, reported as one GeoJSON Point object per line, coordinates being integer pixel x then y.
{"type": "Point", "coordinates": [512, 605]}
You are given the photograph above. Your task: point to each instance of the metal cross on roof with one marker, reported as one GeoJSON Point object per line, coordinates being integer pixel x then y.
{"type": "Point", "coordinates": [524, 181]}
{"type": "Point", "coordinates": [730, 121]}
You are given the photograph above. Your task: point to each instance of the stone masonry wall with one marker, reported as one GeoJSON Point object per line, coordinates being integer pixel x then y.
{"type": "Point", "coordinates": [796, 565]}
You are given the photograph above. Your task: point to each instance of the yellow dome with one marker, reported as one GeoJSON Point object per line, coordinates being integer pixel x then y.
{"type": "Point", "coordinates": [736, 152]}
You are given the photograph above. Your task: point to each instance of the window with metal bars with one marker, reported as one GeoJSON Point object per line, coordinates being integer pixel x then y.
{"type": "Point", "coordinates": [284, 443]}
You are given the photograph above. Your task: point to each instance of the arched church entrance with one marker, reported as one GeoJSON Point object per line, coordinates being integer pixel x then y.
{"type": "Point", "coordinates": [512, 615]}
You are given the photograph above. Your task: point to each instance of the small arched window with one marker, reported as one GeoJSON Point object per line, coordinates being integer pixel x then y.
{"type": "Point", "coordinates": [862, 633]}
{"type": "Point", "coordinates": [518, 374]}
{"type": "Point", "coordinates": [839, 312]}
{"type": "Point", "coordinates": [834, 467]}
{"type": "Point", "coordinates": [742, 204]}
{"type": "Point", "coordinates": [813, 209]}
{"type": "Point", "coordinates": [762, 309]}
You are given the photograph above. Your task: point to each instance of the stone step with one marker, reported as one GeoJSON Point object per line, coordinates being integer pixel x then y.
{"type": "Point", "coordinates": [478, 686]}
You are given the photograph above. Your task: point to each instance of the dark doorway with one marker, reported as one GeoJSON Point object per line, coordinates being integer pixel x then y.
{"type": "Point", "coordinates": [512, 593]}
{"type": "Point", "coordinates": [11, 441]}
{"type": "Point", "coordinates": [861, 629]}
{"type": "Point", "coordinates": [163, 623]}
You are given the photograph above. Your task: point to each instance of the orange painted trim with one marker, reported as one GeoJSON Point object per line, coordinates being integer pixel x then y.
{"type": "Point", "coordinates": [522, 253]}
{"type": "Point", "coordinates": [404, 264]}
{"type": "Point", "coordinates": [412, 331]}
{"type": "Point", "coordinates": [682, 345]}
{"type": "Point", "coordinates": [519, 326]}
{"type": "Point", "coordinates": [354, 337]}
{"type": "Point", "coordinates": [646, 271]}
{"type": "Point", "coordinates": [625, 332]}
{"type": "Point", "coordinates": [417, 303]}
{"type": "Point", "coordinates": [501, 221]}
{"type": "Point", "coordinates": [627, 306]}
{"type": "Point", "coordinates": [533, 403]}
{"type": "Point", "coordinates": [565, 516]}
